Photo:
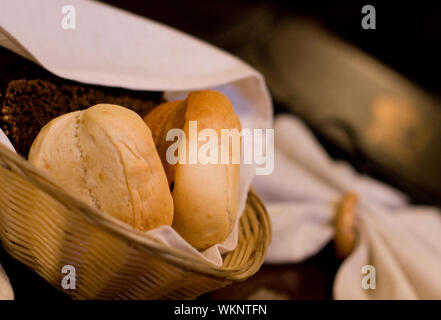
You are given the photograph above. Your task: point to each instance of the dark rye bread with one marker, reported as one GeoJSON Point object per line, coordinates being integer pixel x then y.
{"type": "Point", "coordinates": [30, 97]}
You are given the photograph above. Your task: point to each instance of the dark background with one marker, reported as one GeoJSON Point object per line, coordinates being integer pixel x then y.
{"type": "Point", "coordinates": [407, 39]}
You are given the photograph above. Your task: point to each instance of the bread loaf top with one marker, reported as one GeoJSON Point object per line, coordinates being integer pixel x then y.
{"type": "Point", "coordinates": [105, 155]}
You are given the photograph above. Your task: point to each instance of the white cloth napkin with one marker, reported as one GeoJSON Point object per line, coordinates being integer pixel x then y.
{"type": "Point", "coordinates": [114, 48]}
{"type": "Point", "coordinates": [6, 292]}
{"type": "Point", "coordinates": [402, 242]}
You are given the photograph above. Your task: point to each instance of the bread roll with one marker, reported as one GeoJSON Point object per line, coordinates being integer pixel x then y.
{"type": "Point", "coordinates": [205, 196]}
{"type": "Point", "coordinates": [106, 156]}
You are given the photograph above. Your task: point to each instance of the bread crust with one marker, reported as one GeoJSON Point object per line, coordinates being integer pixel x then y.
{"type": "Point", "coordinates": [205, 196]}
{"type": "Point", "coordinates": [105, 155]}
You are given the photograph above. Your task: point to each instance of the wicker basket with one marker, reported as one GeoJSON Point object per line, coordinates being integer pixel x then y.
{"type": "Point", "coordinates": [46, 228]}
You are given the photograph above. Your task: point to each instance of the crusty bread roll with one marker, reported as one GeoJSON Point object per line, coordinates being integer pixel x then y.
{"type": "Point", "coordinates": [106, 156]}
{"type": "Point", "coordinates": [205, 195]}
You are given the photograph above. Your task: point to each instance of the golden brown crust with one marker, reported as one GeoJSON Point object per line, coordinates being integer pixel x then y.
{"type": "Point", "coordinates": [157, 119]}
{"type": "Point", "coordinates": [212, 110]}
{"type": "Point", "coordinates": [167, 116]}
{"type": "Point", "coordinates": [205, 195]}
{"type": "Point", "coordinates": [345, 225]}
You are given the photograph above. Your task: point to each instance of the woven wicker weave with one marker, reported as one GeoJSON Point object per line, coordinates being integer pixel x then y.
{"type": "Point", "coordinates": [46, 228]}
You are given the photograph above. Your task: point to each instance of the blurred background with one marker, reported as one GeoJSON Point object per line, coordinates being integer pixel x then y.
{"type": "Point", "coordinates": [372, 97]}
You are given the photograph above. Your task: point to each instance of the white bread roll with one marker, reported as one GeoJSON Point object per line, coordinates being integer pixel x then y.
{"type": "Point", "coordinates": [205, 196]}
{"type": "Point", "coordinates": [106, 156]}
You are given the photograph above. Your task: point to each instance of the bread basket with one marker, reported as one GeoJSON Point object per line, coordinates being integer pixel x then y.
{"type": "Point", "coordinates": [46, 228]}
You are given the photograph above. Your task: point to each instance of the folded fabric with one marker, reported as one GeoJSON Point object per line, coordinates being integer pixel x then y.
{"type": "Point", "coordinates": [6, 292]}
{"type": "Point", "coordinates": [401, 243]}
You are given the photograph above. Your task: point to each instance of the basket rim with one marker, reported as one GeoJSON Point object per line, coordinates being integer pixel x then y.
{"type": "Point", "coordinates": [142, 240]}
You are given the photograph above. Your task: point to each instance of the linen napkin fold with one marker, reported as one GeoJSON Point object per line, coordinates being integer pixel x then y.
{"type": "Point", "coordinates": [6, 292]}
{"type": "Point", "coordinates": [401, 242]}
